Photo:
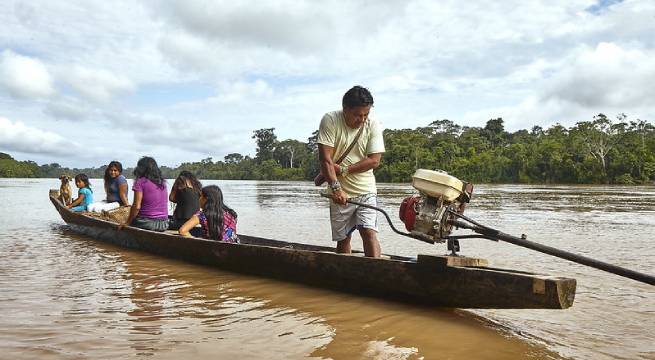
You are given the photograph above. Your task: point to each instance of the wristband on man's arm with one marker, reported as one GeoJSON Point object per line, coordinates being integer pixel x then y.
{"type": "Point", "coordinates": [335, 185]}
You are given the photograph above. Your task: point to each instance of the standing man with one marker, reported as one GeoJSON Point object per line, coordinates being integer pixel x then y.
{"type": "Point", "coordinates": [353, 177]}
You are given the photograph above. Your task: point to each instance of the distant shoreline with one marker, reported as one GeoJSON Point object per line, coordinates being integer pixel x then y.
{"type": "Point", "coordinates": [379, 182]}
{"type": "Point", "coordinates": [600, 151]}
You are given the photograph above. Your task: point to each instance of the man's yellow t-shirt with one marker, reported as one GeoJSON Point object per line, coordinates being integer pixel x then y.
{"type": "Point", "coordinates": [334, 132]}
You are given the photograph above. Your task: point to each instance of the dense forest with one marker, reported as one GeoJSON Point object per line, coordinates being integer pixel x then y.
{"type": "Point", "coordinates": [599, 151]}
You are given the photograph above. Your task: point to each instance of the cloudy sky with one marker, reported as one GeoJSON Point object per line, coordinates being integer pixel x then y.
{"type": "Point", "coordinates": [86, 82]}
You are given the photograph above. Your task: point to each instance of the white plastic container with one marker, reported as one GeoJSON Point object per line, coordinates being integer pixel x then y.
{"type": "Point", "coordinates": [437, 183]}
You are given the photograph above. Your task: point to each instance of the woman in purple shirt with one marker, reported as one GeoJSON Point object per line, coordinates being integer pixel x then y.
{"type": "Point", "coordinates": [150, 206]}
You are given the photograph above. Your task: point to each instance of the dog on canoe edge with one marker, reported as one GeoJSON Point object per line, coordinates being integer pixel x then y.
{"type": "Point", "coordinates": [65, 194]}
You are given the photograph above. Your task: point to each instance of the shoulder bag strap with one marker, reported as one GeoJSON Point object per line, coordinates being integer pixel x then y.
{"type": "Point", "coordinates": [352, 144]}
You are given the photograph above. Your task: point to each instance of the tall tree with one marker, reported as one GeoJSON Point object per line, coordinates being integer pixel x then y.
{"type": "Point", "coordinates": [290, 153]}
{"type": "Point", "coordinates": [266, 141]}
{"type": "Point", "coordinates": [312, 166]}
{"type": "Point", "coordinates": [312, 145]}
{"type": "Point", "coordinates": [233, 158]}
{"type": "Point", "coordinates": [445, 126]}
{"type": "Point", "coordinates": [494, 132]}
{"type": "Point", "coordinates": [599, 137]}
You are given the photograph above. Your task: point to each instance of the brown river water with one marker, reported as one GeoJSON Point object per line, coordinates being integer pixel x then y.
{"type": "Point", "coordinates": [67, 296]}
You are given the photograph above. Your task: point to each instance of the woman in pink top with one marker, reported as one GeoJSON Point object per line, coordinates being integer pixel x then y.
{"type": "Point", "coordinates": [150, 206]}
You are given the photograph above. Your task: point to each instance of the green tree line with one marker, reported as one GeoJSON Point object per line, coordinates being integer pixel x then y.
{"type": "Point", "coordinates": [599, 151]}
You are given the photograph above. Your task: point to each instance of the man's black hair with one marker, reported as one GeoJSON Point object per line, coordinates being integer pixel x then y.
{"type": "Point", "coordinates": [357, 96]}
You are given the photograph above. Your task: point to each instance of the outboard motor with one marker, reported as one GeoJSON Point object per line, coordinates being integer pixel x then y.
{"type": "Point", "coordinates": [426, 215]}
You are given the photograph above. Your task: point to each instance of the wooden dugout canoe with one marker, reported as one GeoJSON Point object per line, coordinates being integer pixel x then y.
{"type": "Point", "coordinates": [444, 281]}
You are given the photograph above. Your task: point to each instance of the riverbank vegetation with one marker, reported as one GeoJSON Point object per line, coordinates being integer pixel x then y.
{"type": "Point", "coordinates": [599, 151]}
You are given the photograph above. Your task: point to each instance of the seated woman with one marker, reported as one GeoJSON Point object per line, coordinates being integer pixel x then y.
{"type": "Point", "coordinates": [217, 221]}
{"type": "Point", "coordinates": [115, 188]}
{"type": "Point", "coordinates": [116, 184]}
{"type": "Point", "coordinates": [185, 192]}
{"type": "Point", "coordinates": [84, 194]}
{"type": "Point", "coordinates": [150, 207]}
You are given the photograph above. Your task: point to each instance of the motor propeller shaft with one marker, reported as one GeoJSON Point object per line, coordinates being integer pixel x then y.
{"type": "Point", "coordinates": [489, 233]}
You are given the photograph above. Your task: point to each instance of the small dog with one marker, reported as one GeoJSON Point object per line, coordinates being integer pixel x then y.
{"type": "Point", "coordinates": [65, 190]}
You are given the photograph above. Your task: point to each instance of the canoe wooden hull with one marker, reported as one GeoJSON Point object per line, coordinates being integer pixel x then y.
{"type": "Point", "coordinates": [434, 280]}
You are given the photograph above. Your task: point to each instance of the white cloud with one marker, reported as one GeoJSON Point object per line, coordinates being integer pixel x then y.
{"type": "Point", "coordinates": [16, 136]}
{"type": "Point", "coordinates": [608, 75]}
{"type": "Point", "coordinates": [146, 70]}
{"type": "Point", "coordinates": [287, 25]}
{"type": "Point", "coordinates": [276, 38]}
{"type": "Point", "coordinates": [24, 77]}
{"type": "Point", "coordinates": [530, 112]}
{"type": "Point", "coordinates": [186, 50]}
{"type": "Point", "coordinates": [207, 60]}
{"type": "Point", "coordinates": [75, 110]}
{"type": "Point", "coordinates": [607, 78]}
{"type": "Point", "coordinates": [168, 139]}
{"type": "Point", "coordinates": [241, 91]}
{"type": "Point", "coordinates": [97, 85]}
{"type": "Point", "coordinates": [68, 108]}
{"type": "Point", "coordinates": [119, 37]}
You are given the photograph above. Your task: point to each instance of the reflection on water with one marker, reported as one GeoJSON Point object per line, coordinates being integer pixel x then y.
{"type": "Point", "coordinates": [66, 296]}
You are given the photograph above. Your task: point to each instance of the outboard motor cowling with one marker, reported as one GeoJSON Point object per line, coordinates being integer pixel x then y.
{"type": "Point", "coordinates": [426, 215]}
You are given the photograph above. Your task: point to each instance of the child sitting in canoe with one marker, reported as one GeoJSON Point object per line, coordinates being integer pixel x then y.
{"type": "Point", "coordinates": [84, 194]}
{"type": "Point", "coordinates": [217, 221]}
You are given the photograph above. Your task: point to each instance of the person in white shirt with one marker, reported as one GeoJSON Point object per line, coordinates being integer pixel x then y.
{"type": "Point", "coordinates": [353, 177]}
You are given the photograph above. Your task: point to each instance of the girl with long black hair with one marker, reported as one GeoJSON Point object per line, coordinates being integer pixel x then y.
{"type": "Point", "coordinates": [217, 220]}
{"type": "Point", "coordinates": [150, 207]}
{"type": "Point", "coordinates": [116, 184]}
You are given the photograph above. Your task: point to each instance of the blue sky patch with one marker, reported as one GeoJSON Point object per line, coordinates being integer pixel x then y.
{"type": "Point", "coordinates": [601, 6]}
